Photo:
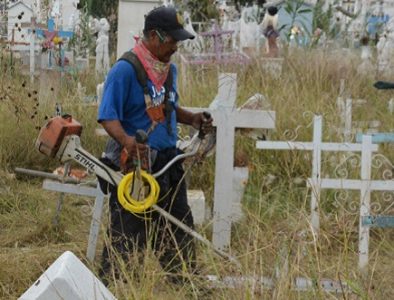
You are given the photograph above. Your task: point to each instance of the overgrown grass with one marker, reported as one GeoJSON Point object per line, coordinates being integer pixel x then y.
{"type": "Point", "coordinates": [276, 203]}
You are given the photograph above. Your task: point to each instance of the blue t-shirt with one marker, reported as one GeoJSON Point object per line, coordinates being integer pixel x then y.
{"type": "Point", "coordinates": [123, 100]}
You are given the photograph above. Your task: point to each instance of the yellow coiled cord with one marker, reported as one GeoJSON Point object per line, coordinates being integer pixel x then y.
{"type": "Point", "coordinates": [133, 205]}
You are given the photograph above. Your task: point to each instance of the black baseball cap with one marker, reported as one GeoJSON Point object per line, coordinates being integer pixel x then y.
{"type": "Point", "coordinates": [167, 19]}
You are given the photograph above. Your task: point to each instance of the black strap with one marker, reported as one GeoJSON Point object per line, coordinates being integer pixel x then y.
{"type": "Point", "coordinates": [142, 78]}
{"type": "Point", "coordinates": [167, 104]}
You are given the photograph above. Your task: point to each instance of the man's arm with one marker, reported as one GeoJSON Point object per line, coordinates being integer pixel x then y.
{"type": "Point", "coordinates": [197, 120]}
{"type": "Point", "coordinates": [187, 117]}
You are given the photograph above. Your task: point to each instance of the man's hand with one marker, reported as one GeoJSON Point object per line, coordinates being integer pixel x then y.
{"type": "Point", "coordinates": [129, 157]}
{"type": "Point", "coordinates": [131, 146]}
{"type": "Point", "coordinates": [203, 122]}
{"type": "Point", "coordinates": [129, 143]}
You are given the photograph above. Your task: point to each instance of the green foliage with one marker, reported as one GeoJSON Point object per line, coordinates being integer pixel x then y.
{"type": "Point", "coordinates": [295, 9]}
{"type": "Point", "coordinates": [83, 41]}
{"type": "Point", "coordinates": [101, 8]}
{"type": "Point", "coordinates": [202, 10]}
{"type": "Point", "coordinates": [322, 19]}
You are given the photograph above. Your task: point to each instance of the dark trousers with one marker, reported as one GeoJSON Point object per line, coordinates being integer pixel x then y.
{"type": "Point", "coordinates": [128, 232]}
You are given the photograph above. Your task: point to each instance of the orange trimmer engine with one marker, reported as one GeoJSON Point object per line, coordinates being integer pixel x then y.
{"type": "Point", "coordinates": [53, 133]}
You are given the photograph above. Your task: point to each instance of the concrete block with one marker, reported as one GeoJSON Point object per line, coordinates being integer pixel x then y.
{"type": "Point", "coordinates": [67, 279]}
{"type": "Point", "coordinates": [240, 179]}
{"type": "Point", "coordinates": [196, 200]}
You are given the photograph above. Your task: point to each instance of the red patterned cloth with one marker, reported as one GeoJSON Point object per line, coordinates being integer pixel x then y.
{"type": "Point", "coordinates": [157, 71]}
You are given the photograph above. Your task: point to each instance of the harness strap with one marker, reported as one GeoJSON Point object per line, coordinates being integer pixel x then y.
{"type": "Point", "coordinates": [142, 78]}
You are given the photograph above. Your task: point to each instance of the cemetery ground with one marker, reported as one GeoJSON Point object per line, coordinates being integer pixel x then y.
{"type": "Point", "coordinates": [276, 225]}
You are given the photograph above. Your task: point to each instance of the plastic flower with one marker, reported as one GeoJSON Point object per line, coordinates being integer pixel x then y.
{"type": "Point", "coordinates": [57, 40]}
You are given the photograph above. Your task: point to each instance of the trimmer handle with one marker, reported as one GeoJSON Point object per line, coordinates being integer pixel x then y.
{"type": "Point", "coordinates": [141, 137]}
{"type": "Point", "coordinates": [206, 115]}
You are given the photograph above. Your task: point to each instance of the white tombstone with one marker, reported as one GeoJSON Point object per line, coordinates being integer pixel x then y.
{"type": "Point", "coordinates": [18, 13]}
{"type": "Point", "coordinates": [391, 106]}
{"type": "Point", "coordinates": [249, 31]}
{"type": "Point", "coordinates": [70, 14]}
{"type": "Point", "coordinates": [234, 25]}
{"type": "Point", "coordinates": [67, 278]}
{"type": "Point", "coordinates": [99, 92]}
{"type": "Point", "coordinates": [55, 11]}
{"type": "Point", "coordinates": [366, 68]}
{"type": "Point", "coordinates": [195, 45]}
{"type": "Point", "coordinates": [196, 200]}
{"type": "Point", "coordinates": [102, 52]}
{"type": "Point", "coordinates": [385, 49]}
{"type": "Point", "coordinates": [240, 179]}
{"type": "Point", "coordinates": [131, 21]}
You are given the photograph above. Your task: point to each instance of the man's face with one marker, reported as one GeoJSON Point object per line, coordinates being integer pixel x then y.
{"type": "Point", "coordinates": [164, 45]}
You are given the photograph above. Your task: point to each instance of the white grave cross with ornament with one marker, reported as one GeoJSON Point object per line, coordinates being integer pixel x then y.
{"type": "Point", "coordinates": [226, 119]}
{"type": "Point", "coordinates": [316, 146]}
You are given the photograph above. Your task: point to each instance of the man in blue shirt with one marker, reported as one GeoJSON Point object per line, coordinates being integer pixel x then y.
{"type": "Point", "coordinates": [127, 106]}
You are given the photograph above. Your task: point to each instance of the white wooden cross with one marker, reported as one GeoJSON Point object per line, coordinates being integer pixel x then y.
{"type": "Point", "coordinates": [316, 146]}
{"type": "Point", "coordinates": [196, 196]}
{"type": "Point", "coordinates": [365, 185]}
{"type": "Point", "coordinates": [97, 210]}
{"type": "Point", "coordinates": [32, 30]}
{"type": "Point", "coordinates": [226, 119]}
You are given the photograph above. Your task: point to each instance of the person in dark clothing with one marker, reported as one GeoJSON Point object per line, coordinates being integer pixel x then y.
{"type": "Point", "coordinates": [124, 109]}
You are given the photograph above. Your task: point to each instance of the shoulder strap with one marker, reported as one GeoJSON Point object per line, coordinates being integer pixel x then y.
{"type": "Point", "coordinates": [142, 77]}
{"type": "Point", "coordinates": [167, 104]}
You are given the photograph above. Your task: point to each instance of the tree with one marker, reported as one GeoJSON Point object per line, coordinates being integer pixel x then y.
{"type": "Point", "coordinates": [104, 9]}
{"type": "Point", "coordinates": [202, 10]}
{"type": "Point", "coordinates": [101, 8]}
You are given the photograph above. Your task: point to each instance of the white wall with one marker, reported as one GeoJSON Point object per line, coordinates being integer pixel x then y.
{"type": "Point", "coordinates": [69, 8]}
{"type": "Point", "coordinates": [23, 35]}
{"type": "Point", "coordinates": [131, 21]}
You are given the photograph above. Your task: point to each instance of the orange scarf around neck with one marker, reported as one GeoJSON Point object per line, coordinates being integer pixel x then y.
{"type": "Point", "coordinates": [157, 71]}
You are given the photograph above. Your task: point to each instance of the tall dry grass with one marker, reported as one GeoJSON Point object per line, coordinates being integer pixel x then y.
{"type": "Point", "coordinates": [276, 225]}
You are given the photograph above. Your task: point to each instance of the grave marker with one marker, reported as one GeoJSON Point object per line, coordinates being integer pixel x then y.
{"type": "Point", "coordinates": [49, 34]}
{"type": "Point", "coordinates": [227, 119]}
{"type": "Point", "coordinates": [316, 146]}
{"type": "Point", "coordinates": [32, 27]}
{"type": "Point", "coordinates": [67, 278]}
{"type": "Point", "coordinates": [196, 197]}
{"type": "Point", "coordinates": [349, 127]}
{"type": "Point", "coordinates": [219, 55]}
{"type": "Point", "coordinates": [365, 185]}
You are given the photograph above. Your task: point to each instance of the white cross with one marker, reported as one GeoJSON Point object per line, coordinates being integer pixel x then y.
{"type": "Point", "coordinates": [33, 26]}
{"type": "Point", "coordinates": [317, 146]}
{"type": "Point", "coordinates": [226, 119]}
{"type": "Point", "coordinates": [97, 211]}
{"type": "Point", "coordinates": [365, 185]}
